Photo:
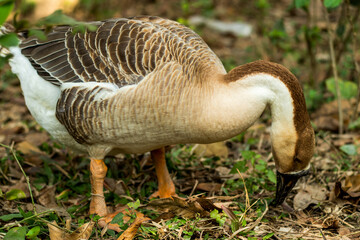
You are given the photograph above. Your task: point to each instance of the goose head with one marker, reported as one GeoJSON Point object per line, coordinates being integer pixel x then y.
{"type": "Point", "coordinates": [292, 155]}
{"type": "Point", "coordinates": [292, 136]}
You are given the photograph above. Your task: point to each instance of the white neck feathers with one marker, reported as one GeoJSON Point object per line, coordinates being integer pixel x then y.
{"type": "Point", "coordinates": [235, 106]}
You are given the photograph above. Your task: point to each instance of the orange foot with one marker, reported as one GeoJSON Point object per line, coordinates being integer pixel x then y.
{"type": "Point", "coordinates": [98, 171]}
{"type": "Point", "coordinates": [166, 191]}
{"type": "Point", "coordinates": [166, 185]}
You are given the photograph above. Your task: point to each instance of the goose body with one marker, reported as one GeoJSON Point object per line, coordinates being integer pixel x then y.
{"type": "Point", "coordinates": [136, 85]}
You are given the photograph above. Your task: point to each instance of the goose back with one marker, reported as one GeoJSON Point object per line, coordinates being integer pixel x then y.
{"type": "Point", "coordinates": [121, 51]}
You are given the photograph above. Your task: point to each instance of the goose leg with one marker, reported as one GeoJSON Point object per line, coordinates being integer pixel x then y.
{"type": "Point", "coordinates": [166, 185]}
{"type": "Point", "coordinates": [98, 171]}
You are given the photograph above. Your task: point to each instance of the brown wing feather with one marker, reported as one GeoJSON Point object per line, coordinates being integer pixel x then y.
{"type": "Point", "coordinates": [120, 51]}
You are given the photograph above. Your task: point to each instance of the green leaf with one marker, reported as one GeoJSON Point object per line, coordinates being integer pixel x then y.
{"type": "Point", "coordinates": [332, 3]}
{"type": "Point", "coordinates": [301, 3]}
{"type": "Point", "coordinates": [6, 6]}
{"type": "Point", "coordinates": [16, 233]}
{"type": "Point", "coordinates": [269, 235]}
{"type": "Point", "coordinates": [9, 40]}
{"type": "Point", "coordinates": [32, 233]}
{"type": "Point", "coordinates": [39, 34]}
{"type": "Point", "coordinates": [134, 205]}
{"type": "Point", "coordinates": [9, 217]}
{"type": "Point", "coordinates": [271, 175]}
{"type": "Point", "coordinates": [355, 124]}
{"type": "Point", "coordinates": [49, 173]}
{"type": "Point", "coordinates": [248, 155]}
{"type": "Point", "coordinates": [58, 18]}
{"type": "Point", "coordinates": [15, 194]}
{"type": "Point", "coordinates": [349, 149]}
{"type": "Point", "coordinates": [241, 165]}
{"type": "Point", "coordinates": [263, 4]}
{"type": "Point", "coordinates": [3, 61]}
{"type": "Point", "coordinates": [215, 214]}
{"type": "Point", "coordinates": [118, 218]}
{"type": "Point", "coordinates": [347, 89]}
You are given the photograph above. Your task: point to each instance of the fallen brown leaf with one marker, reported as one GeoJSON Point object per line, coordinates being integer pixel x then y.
{"type": "Point", "coordinates": [326, 117]}
{"type": "Point", "coordinates": [47, 196]}
{"type": "Point", "coordinates": [114, 186]}
{"type": "Point", "coordinates": [130, 233]}
{"type": "Point", "coordinates": [352, 185]}
{"type": "Point", "coordinates": [81, 233]}
{"type": "Point", "coordinates": [37, 138]}
{"type": "Point", "coordinates": [183, 208]}
{"type": "Point", "coordinates": [32, 153]}
{"type": "Point", "coordinates": [209, 187]}
{"type": "Point", "coordinates": [27, 148]}
{"type": "Point", "coordinates": [60, 211]}
{"type": "Point", "coordinates": [348, 189]}
{"type": "Point", "coordinates": [343, 231]}
{"type": "Point", "coordinates": [218, 149]}
{"type": "Point", "coordinates": [331, 222]}
{"type": "Point", "coordinates": [311, 194]}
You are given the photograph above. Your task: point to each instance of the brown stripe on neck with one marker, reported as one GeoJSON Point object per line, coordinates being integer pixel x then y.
{"type": "Point", "coordinates": [301, 117]}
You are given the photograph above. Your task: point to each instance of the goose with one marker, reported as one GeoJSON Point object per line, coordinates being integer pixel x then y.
{"type": "Point", "coordinates": [138, 84]}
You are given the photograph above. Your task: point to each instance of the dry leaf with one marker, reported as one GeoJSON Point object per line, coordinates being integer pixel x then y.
{"type": "Point", "coordinates": [311, 194]}
{"type": "Point", "coordinates": [27, 148]}
{"type": "Point", "coordinates": [114, 186]}
{"type": "Point", "coordinates": [209, 187]}
{"type": "Point", "coordinates": [21, 185]}
{"type": "Point", "coordinates": [352, 185]}
{"type": "Point", "coordinates": [326, 117]}
{"type": "Point", "coordinates": [218, 149]}
{"type": "Point", "coordinates": [37, 138]}
{"type": "Point", "coordinates": [47, 196]}
{"type": "Point", "coordinates": [130, 233]}
{"type": "Point", "coordinates": [183, 208]}
{"type": "Point", "coordinates": [348, 189]}
{"type": "Point", "coordinates": [82, 233]}
{"type": "Point", "coordinates": [32, 153]}
{"type": "Point", "coordinates": [331, 222]}
{"type": "Point", "coordinates": [343, 231]}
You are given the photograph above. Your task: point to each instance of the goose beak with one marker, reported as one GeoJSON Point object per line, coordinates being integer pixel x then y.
{"type": "Point", "coordinates": [285, 182]}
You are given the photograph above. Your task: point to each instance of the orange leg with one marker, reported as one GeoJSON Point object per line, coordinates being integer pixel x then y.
{"type": "Point", "coordinates": [98, 171]}
{"type": "Point", "coordinates": [166, 185]}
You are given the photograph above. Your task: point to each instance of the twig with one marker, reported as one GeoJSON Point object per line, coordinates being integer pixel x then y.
{"type": "Point", "coordinates": [195, 186]}
{"type": "Point", "coordinates": [341, 45]}
{"type": "Point", "coordinates": [247, 203]}
{"type": "Point", "coordinates": [354, 57]}
{"type": "Point", "coordinates": [334, 68]}
{"type": "Point", "coordinates": [25, 219]}
{"type": "Point", "coordinates": [348, 224]}
{"type": "Point", "coordinates": [248, 228]}
{"type": "Point", "coordinates": [322, 234]}
{"type": "Point", "coordinates": [11, 148]}
{"type": "Point", "coordinates": [311, 49]}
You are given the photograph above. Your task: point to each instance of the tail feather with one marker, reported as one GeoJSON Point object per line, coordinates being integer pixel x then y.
{"type": "Point", "coordinates": [5, 29]}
